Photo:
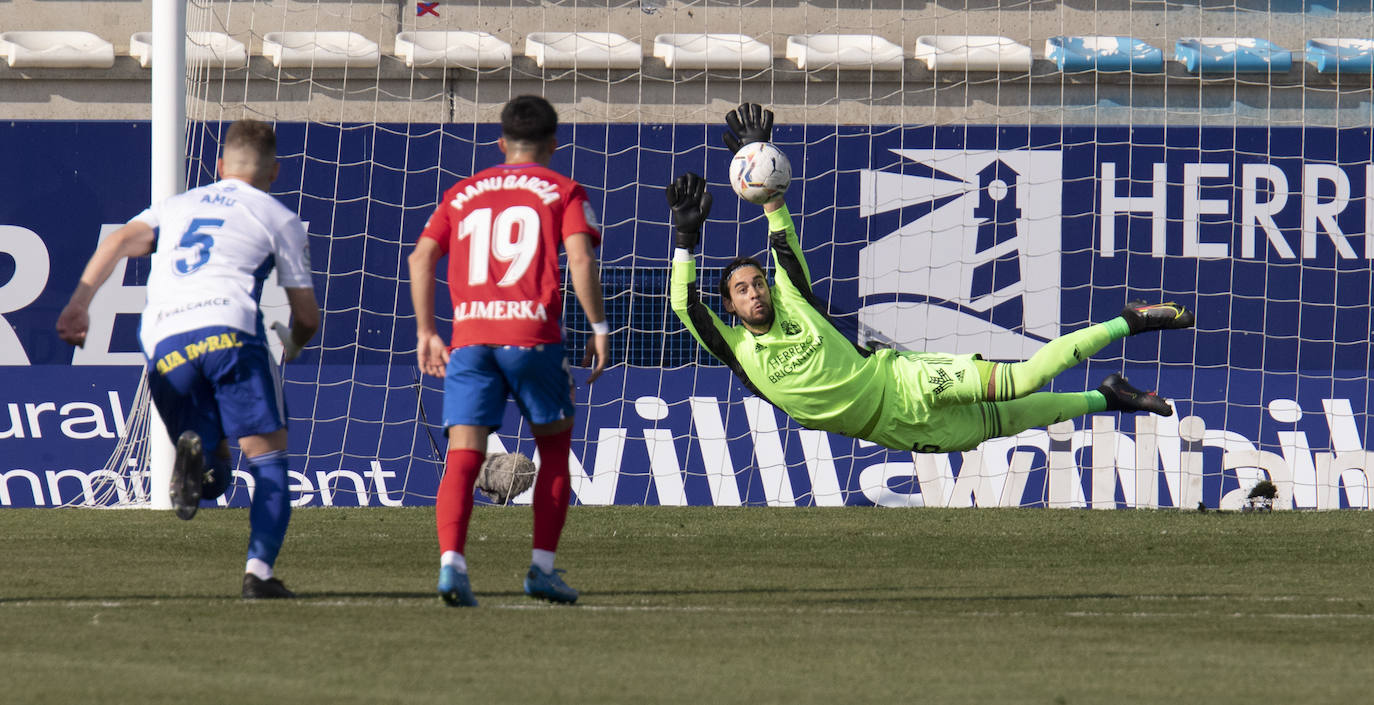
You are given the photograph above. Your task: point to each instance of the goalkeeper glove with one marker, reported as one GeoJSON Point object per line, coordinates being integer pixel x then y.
{"type": "Point", "coordinates": [750, 122]}
{"type": "Point", "coordinates": [691, 203]}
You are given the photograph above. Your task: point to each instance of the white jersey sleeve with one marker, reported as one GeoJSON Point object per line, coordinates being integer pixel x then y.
{"type": "Point", "coordinates": [216, 244]}
{"type": "Point", "coordinates": [293, 255]}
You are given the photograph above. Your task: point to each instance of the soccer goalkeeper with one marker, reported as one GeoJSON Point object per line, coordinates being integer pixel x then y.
{"type": "Point", "coordinates": [788, 352]}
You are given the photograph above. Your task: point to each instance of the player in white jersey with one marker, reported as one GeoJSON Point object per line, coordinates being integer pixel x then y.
{"type": "Point", "coordinates": [209, 369]}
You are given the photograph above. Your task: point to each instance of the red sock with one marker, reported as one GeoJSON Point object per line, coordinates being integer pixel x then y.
{"type": "Point", "coordinates": [453, 506]}
{"type": "Point", "coordinates": [552, 489]}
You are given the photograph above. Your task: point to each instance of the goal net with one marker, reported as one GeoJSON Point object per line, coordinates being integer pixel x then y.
{"type": "Point", "coordinates": [972, 180]}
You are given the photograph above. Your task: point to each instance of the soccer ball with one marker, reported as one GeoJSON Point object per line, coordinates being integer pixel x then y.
{"type": "Point", "coordinates": [760, 172]}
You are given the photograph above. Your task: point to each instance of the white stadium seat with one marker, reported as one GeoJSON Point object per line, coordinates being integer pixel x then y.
{"type": "Point", "coordinates": [56, 49]}
{"type": "Point", "coordinates": [212, 49]}
{"type": "Point", "coordinates": [712, 51]}
{"type": "Point", "coordinates": [320, 50]}
{"type": "Point", "coordinates": [583, 50]}
{"type": "Point", "coordinates": [958, 52]}
{"type": "Point", "coordinates": [844, 51]}
{"type": "Point", "coordinates": [452, 49]}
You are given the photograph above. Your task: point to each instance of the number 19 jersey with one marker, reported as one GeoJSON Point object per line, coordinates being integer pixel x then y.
{"type": "Point", "coordinates": [501, 229]}
{"type": "Point", "coordinates": [216, 245]}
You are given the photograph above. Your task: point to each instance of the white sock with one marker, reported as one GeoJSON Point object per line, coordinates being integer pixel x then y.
{"type": "Point", "coordinates": [259, 567]}
{"type": "Point", "coordinates": [455, 559]}
{"type": "Point", "coordinates": [543, 560]}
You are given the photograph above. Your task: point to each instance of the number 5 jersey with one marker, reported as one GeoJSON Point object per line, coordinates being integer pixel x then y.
{"type": "Point", "coordinates": [216, 245]}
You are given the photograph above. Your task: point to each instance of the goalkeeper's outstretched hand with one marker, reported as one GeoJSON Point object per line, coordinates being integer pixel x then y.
{"type": "Point", "coordinates": [691, 203]}
{"type": "Point", "coordinates": [750, 122]}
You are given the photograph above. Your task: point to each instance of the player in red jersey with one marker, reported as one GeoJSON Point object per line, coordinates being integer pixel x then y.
{"type": "Point", "coordinates": [501, 229]}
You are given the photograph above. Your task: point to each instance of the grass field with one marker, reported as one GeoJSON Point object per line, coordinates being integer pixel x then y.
{"type": "Point", "coordinates": [698, 605]}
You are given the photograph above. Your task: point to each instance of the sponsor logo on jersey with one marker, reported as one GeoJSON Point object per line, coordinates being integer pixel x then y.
{"type": "Point", "coordinates": [791, 359]}
{"type": "Point", "coordinates": [500, 311]}
{"type": "Point", "coordinates": [196, 306]}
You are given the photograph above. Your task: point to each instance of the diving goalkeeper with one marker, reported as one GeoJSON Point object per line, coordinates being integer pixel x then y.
{"type": "Point", "coordinates": [788, 352]}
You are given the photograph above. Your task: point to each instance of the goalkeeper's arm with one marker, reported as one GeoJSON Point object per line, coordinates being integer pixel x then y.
{"type": "Point", "coordinates": [691, 203]}
{"type": "Point", "coordinates": [787, 252]}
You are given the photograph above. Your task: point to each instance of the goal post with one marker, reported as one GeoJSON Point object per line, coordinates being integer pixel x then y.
{"type": "Point", "coordinates": [168, 179]}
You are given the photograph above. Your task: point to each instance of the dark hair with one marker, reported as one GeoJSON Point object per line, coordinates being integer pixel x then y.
{"type": "Point", "coordinates": [528, 118]}
{"type": "Point", "coordinates": [255, 135]}
{"type": "Point", "coordinates": [736, 263]}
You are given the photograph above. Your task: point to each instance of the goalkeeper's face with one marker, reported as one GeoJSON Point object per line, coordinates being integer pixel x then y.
{"type": "Point", "coordinates": [750, 298]}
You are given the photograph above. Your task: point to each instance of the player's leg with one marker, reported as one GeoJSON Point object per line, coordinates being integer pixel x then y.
{"type": "Point", "coordinates": [269, 514]}
{"type": "Point", "coordinates": [184, 398]}
{"type": "Point", "coordinates": [1003, 381]}
{"type": "Point", "coordinates": [964, 427]}
{"type": "Point", "coordinates": [219, 473]}
{"type": "Point", "coordinates": [248, 392]}
{"type": "Point", "coordinates": [453, 510]}
{"type": "Point", "coordinates": [542, 387]}
{"type": "Point", "coordinates": [474, 402]}
{"type": "Point", "coordinates": [1008, 418]}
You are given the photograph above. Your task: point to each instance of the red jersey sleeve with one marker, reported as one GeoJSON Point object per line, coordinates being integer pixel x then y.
{"type": "Point", "coordinates": [580, 217]}
{"type": "Point", "coordinates": [439, 228]}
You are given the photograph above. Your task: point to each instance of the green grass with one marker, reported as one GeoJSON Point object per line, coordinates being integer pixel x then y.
{"type": "Point", "coordinates": [698, 605]}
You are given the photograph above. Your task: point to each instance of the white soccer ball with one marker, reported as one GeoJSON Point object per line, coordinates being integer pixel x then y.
{"type": "Point", "coordinates": [760, 172]}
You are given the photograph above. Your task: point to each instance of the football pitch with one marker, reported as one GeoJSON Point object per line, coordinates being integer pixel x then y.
{"type": "Point", "coordinates": [698, 605]}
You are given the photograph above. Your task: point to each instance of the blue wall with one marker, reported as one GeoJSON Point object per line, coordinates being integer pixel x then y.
{"type": "Point", "coordinates": [1279, 363]}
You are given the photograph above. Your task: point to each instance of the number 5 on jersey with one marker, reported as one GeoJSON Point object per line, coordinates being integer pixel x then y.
{"type": "Point", "coordinates": [513, 236]}
{"type": "Point", "coordinates": [194, 246]}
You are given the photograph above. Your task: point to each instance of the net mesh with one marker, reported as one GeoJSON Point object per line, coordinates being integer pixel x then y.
{"type": "Point", "coordinates": [944, 203]}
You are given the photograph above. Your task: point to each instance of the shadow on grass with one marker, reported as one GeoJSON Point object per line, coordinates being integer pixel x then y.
{"type": "Point", "coordinates": [875, 595]}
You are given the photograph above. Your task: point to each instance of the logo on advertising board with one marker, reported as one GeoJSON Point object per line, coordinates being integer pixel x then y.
{"type": "Point", "coordinates": [976, 267]}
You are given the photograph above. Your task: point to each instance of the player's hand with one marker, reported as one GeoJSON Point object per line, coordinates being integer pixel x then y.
{"type": "Point", "coordinates": [598, 351]}
{"type": "Point", "coordinates": [432, 354]}
{"type": "Point", "coordinates": [289, 349]}
{"type": "Point", "coordinates": [691, 203]}
{"type": "Point", "coordinates": [73, 323]}
{"type": "Point", "coordinates": [750, 122]}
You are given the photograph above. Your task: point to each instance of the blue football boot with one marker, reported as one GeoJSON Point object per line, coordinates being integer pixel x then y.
{"type": "Point", "coordinates": [549, 586]}
{"type": "Point", "coordinates": [454, 588]}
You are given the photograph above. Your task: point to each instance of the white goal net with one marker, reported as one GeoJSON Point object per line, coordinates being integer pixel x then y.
{"type": "Point", "coordinates": [979, 179]}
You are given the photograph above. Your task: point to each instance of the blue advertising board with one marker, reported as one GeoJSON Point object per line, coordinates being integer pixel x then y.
{"type": "Point", "coordinates": [987, 239]}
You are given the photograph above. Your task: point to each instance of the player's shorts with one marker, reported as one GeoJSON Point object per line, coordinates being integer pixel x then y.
{"type": "Point", "coordinates": [935, 405]}
{"type": "Point", "coordinates": [219, 382]}
{"type": "Point", "coordinates": [480, 378]}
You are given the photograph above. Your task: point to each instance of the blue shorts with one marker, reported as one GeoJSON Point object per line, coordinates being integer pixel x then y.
{"type": "Point", "coordinates": [219, 382]}
{"type": "Point", "coordinates": [480, 378]}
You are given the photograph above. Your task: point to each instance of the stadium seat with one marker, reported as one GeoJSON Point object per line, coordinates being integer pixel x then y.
{"type": "Point", "coordinates": [320, 50]}
{"type": "Point", "coordinates": [1075, 54]}
{"type": "Point", "coordinates": [56, 49]}
{"type": "Point", "coordinates": [972, 53]}
{"type": "Point", "coordinates": [583, 50]}
{"type": "Point", "coordinates": [1355, 56]}
{"type": "Point", "coordinates": [712, 51]}
{"type": "Point", "coordinates": [475, 50]}
{"type": "Point", "coordinates": [212, 49]}
{"type": "Point", "coordinates": [1229, 55]}
{"type": "Point", "coordinates": [844, 51]}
